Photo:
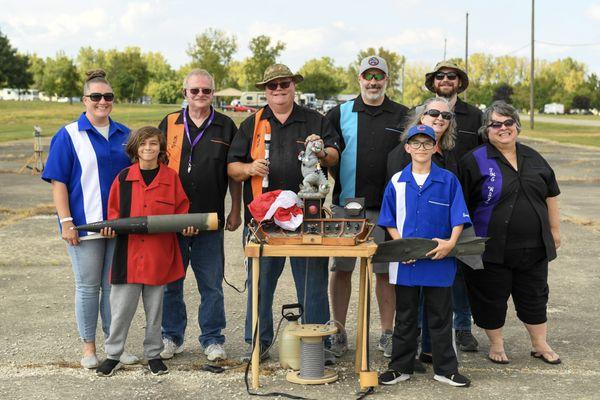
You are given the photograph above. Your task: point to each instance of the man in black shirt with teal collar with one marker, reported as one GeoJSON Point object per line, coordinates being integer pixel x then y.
{"type": "Point", "coordinates": [368, 132]}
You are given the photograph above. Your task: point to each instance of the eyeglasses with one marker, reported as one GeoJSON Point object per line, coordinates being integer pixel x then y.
{"type": "Point", "coordinates": [195, 91]}
{"type": "Point", "coordinates": [96, 97]}
{"type": "Point", "coordinates": [274, 85]}
{"type": "Point", "coordinates": [427, 144]}
{"type": "Point", "coordinates": [450, 75]}
{"type": "Point", "coordinates": [379, 76]}
{"type": "Point", "coordinates": [436, 113]}
{"type": "Point", "coordinates": [497, 124]}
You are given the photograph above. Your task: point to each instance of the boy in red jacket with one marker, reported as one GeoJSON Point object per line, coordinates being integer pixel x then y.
{"type": "Point", "coordinates": [143, 264]}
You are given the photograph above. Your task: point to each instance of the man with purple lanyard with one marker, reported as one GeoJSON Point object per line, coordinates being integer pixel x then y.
{"type": "Point", "coordinates": [198, 139]}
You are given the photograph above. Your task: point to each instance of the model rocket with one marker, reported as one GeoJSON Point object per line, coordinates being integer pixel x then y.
{"type": "Point", "coordinates": [156, 223]}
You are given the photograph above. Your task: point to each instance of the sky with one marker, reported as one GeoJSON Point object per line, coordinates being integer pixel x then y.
{"type": "Point", "coordinates": [310, 29]}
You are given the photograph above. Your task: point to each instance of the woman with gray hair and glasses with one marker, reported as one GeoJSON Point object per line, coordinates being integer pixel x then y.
{"type": "Point", "coordinates": [511, 192]}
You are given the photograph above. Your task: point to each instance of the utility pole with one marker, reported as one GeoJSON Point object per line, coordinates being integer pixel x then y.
{"type": "Point", "coordinates": [445, 40]}
{"type": "Point", "coordinates": [467, 51]}
{"type": "Point", "coordinates": [531, 78]}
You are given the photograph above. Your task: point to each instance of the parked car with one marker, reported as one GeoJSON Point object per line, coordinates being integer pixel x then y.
{"type": "Point", "coordinates": [240, 108]}
{"type": "Point", "coordinates": [328, 105]}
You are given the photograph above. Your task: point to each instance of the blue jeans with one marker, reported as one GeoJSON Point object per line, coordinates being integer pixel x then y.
{"type": "Point", "coordinates": [91, 261]}
{"type": "Point", "coordinates": [309, 270]}
{"type": "Point", "coordinates": [205, 251]}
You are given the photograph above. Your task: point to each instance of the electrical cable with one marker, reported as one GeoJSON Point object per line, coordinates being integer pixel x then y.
{"type": "Point", "coordinates": [567, 44]}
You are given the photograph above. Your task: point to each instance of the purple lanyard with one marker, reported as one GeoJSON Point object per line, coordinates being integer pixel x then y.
{"type": "Point", "coordinates": [197, 139]}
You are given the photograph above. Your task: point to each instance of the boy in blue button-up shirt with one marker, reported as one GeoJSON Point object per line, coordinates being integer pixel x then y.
{"type": "Point", "coordinates": [424, 201]}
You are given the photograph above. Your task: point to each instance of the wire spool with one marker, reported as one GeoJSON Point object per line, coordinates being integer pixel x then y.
{"type": "Point", "coordinates": [312, 358]}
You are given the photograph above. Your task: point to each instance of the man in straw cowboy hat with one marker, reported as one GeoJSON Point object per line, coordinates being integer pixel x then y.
{"type": "Point", "coordinates": [264, 167]}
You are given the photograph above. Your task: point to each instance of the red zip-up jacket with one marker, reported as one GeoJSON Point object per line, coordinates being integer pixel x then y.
{"type": "Point", "coordinates": [149, 259]}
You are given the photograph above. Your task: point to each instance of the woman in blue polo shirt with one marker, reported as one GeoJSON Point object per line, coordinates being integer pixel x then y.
{"type": "Point", "coordinates": [424, 201]}
{"type": "Point", "coordinates": [84, 158]}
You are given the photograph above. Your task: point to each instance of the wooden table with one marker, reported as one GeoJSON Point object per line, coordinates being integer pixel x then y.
{"type": "Point", "coordinates": [363, 251]}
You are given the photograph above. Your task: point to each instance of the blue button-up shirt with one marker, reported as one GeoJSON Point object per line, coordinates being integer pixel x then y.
{"type": "Point", "coordinates": [430, 211]}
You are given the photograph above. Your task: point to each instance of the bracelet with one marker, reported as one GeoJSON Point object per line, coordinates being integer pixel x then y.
{"type": "Point", "coordinates": [65, 219]}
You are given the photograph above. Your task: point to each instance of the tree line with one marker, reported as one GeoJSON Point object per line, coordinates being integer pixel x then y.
{"type": "Point", "coordinates": [134, 74]}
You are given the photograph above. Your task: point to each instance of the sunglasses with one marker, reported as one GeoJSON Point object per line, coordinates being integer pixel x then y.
{"type": "Point", "coordinates": [427, 144]}
{"type": "Point", "coordinates": [274, 85]}
{"type": "Point", "coordinates": [379, 76]}
{"type": "Point", "coordinates": [450, 75]}
{"type": "Point", "coordinates": [497, 124]}
{"type": "Point", "coordinates": [436, 113]}
{"type": "Point", "coordinates": [195, 91]}
{"type": "Point", "coordinates": [96, 97]}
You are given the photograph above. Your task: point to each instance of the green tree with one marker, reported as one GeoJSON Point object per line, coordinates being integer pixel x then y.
{"type": "Point", "coordinates": [89, 59]}
{"type": "Point", "coordinates": [263, 55]}
{"type": "Point", "coordinates": [213, 51]}
{"type": "Point", "coordinates": [322, 78]}
{"type": "Point", "coordinates": [36, 69]}
{"type": "Point", "coordinates": [13, 66]}
{"type": "Point", "coordinates": [415, 92]}
{"type": "Point", "coordinates": [395, 64]}
{"type": "Point", "coordinates": [127, 73]}
{"type": "Point", "coordinates": [60, 77]}
{"type": "Point", "coordinates": [164, 85]}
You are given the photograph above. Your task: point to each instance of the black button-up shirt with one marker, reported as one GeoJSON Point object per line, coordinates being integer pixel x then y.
{"type": "Point", "coordinates": [287, 141]}
{"type": "Point", "coordinates": [377, 135]}
{"type": "Point", "coordinates": [468, 121]}
{"type": "Point", "coordinates": [206, 184]}
{"type": "Point", "coordinates": [492, 187]}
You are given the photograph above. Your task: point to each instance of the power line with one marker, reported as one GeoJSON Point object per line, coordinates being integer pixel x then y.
{"type": "Point", "coordinates": [569, 45]}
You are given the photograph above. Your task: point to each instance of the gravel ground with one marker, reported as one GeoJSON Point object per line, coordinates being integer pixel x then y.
{"type": "Point", "coordinates": [40, 347]}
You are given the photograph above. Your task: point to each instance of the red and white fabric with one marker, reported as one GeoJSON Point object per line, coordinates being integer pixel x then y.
{"type": "Point", "coordinates": [283, 206]}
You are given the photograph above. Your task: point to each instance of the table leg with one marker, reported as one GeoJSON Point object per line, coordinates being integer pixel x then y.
{"type": "Point", "coordinates": [367, 305]}
{"type": "Point", "coordinates": [255, 323]}
{"type": "Point", "coordinates": [360, 317]}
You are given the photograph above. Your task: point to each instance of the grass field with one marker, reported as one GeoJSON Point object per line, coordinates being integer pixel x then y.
{"type": "Point", "coordinates": [17, 120]}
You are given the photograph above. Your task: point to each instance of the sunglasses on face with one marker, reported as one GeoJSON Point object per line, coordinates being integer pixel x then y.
{"type": "Point", "coordinates": [274, 85]}
{"type": "Point", "coordinates": [379, 76]}
{"type": "Point", "coordinates": [96, 97]}
{"type": "Point", "coordinates": [497, 124]}
{"type": "Point", "coordinates": [450, 75]}
{"type": "Point", "coordinates": [436, 113]}
{"type": "Point", "coordinates": [195, 91]}
{"type": "Point", "coordinates": [427, 144]}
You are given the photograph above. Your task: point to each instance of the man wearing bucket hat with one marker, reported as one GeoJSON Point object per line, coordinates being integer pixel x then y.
{"type": "Point", "coordinates": [448, 80]}
{"type": "Point", "coordinates": [367, 131]}
{"type": "Point", "coordinates": [264, 156]}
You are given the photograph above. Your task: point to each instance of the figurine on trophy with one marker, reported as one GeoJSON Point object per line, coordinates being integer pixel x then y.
{"type": "Point", "coordinates": [315, 184]}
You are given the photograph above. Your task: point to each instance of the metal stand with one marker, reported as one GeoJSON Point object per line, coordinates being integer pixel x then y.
{"type": "Point", "coordinates": [36, 162]}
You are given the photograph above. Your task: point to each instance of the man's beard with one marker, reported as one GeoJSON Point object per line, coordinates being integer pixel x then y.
{"type": "Point", "coordinates": [445, 93]}
{"type": "Point", "coordinates": [373, 96]}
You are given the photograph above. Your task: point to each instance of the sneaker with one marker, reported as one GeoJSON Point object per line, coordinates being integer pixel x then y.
{"type": "Point", "coordinates": [456, 379]}
{"type": "Point", "coordinates": [385, 340]}
{"type": "Point", "coordinates": [215, 352]}
{"type": "Point", "coordinates": [339, 344]}
{"type": "Point", "coordinates": [466, 341]}
{"type": "Point", "coordinates": [128, 358]}
{"type": "Point", "coordinates": [157, 367]}
{"type": "Point", "coordinates": [391, 377]}
{"type": "Point", "coordinates": [89, 362]}
{"type": "Point", "coordinates": [264, 354]}
{"type": "Point", "coordinates": [426, 358]}
{"type": "Point", "coordinates": [419, 367]}
{"type": "Point", "coordinates": [170, 349]}
{"type": "Point", "coordinates": [329, 357]}
{"type": "Point", "coordinates": [108, 367]}
{"type": "Point", "coordinates": [387, 351]}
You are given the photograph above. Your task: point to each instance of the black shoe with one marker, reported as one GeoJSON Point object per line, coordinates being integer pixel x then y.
{"type": "Point", "coordinates": [391, 377]}
{"type": "Point", "coordinates": [466, 341]}
{"type": "Point", "coordinates": [419, 367]}
{"type": "Point", "coordinates": [157, 367]}
{"type": "Point", "coordinates": [108, 367]}
{"type": "Point", "coordinates": [426, 358]}
{"type": "Point", "coordinates": [456, 380]}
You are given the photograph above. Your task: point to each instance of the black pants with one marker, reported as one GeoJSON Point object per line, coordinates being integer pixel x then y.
{"type": "Point", "coordinates": [438, 305]}
{"type": "Point", "coordinates": [524, 275]}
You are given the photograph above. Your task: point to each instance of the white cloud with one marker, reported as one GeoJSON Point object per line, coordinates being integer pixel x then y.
{"type": "Point", "coordinates": [593, 12]}
{"type": "Point", "coordinates": [135, 13]}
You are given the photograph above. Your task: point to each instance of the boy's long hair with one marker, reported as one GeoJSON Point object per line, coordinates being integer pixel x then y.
{"type": "Point", "coordinates": [139, 135]}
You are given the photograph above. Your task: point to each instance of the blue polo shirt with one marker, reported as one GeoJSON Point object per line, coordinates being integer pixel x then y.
{"type": "Point", "coordinates": [431, 211]}
{"type": "Point", "coordinates": [85, 161]}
